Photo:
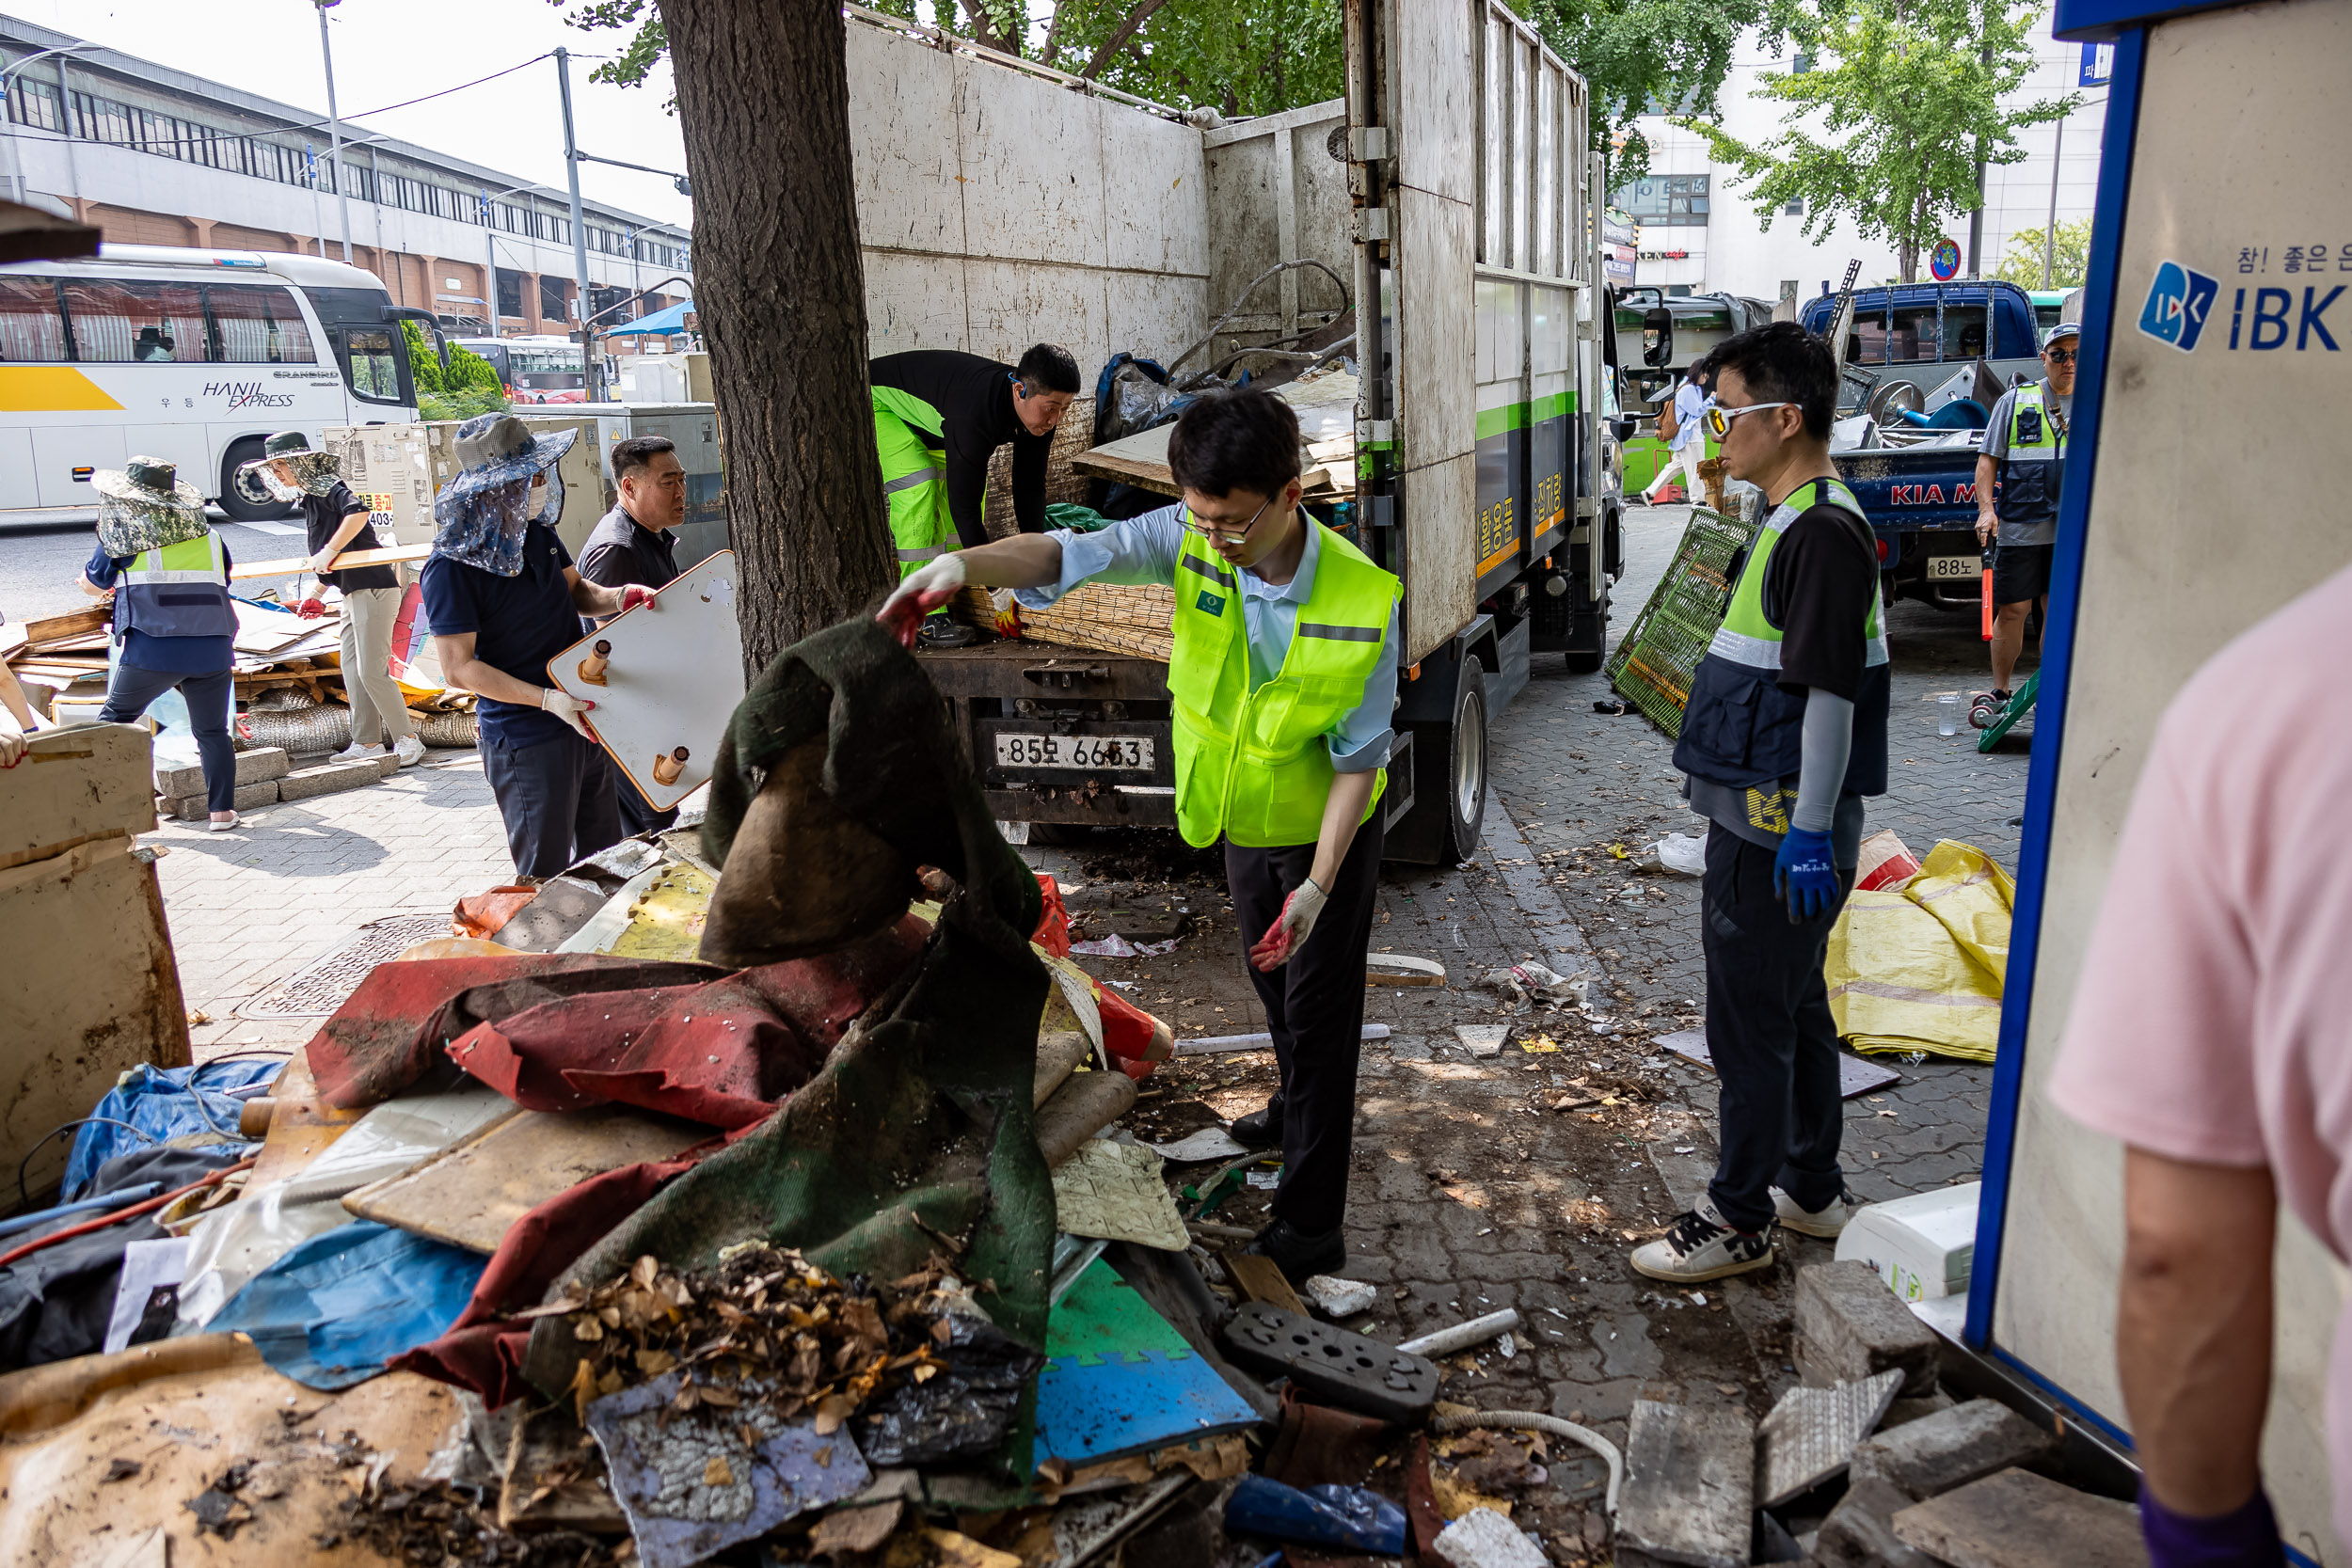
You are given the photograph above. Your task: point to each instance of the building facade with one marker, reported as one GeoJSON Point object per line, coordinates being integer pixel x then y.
{"type": "Point", "coordinates": [153, 155]}
{"type": "Point", "coordinates": [1697, 232]}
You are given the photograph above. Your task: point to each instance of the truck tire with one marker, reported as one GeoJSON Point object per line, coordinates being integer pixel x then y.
{"type": "Point", "coordinates": [1448, 816]}
{"type": "Point", "coordinates": [239, 509]}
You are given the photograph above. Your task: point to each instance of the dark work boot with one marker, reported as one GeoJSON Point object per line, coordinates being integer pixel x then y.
{"type": "Point", "coordinates": [1259, 1128]}
{"type": "Point", "coordinates": [1299, 1254]}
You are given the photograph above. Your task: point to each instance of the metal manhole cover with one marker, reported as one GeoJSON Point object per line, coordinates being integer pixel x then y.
{"type": "Point", "coordinates": [323, 983]}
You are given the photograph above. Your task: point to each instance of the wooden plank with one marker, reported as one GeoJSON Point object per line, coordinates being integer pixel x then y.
{"type": "Point", "coordinates": [301, 1125]}
{"type": "Point", "coordinates": [470, 1193]}
{"type": "Point", "coordinates": [1260, 1279]}
{"type": "Point", "coordinates": [386, 556]}
{"type": "Point", "coordinates": [78, 623]}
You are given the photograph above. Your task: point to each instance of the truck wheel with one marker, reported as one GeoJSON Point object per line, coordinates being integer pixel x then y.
{"type": "Point", "coordinates": [1449, 814]}
{"type": "Point", "coordinates": [239, 509]}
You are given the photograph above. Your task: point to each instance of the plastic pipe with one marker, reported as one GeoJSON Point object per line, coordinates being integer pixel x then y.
{"type": "Point", "coordinates": [1445, 1341]}
{"type": "Point", "coordinates": [104, 1200]}
{"type": "Point", "coordinates": [1529, 1420]}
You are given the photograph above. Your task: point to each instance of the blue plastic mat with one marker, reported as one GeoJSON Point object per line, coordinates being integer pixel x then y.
{"type": "Point", "coordinates": [1120, 1380]}
{"type": "Point", "coordinates": [332, 1311]}
{"type": "Point", "coordinates": [190, 1106]}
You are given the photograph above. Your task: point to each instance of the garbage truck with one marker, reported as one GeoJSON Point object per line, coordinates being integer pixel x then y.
{"type": "Point", "coordinates": [1446, 205]}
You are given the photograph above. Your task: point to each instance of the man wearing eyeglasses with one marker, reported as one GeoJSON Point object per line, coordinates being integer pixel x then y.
{"type": "Point", "coordinates": [1784, 733]}
{"type": "Point", "coordinates": [1283, 678]}
{"type": "Point", "coordinates": [2025, 449]}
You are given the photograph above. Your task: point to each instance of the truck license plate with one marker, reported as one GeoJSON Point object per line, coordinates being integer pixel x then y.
{"type": "Point", "coordinates": [1954, 568]}
{"type": "Point", "coordinates": [1122, 752]}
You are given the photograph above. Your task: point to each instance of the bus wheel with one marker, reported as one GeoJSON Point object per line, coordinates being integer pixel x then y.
{"type": "Point", "coordinates": [239, 509]}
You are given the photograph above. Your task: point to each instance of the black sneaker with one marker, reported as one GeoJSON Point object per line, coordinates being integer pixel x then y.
{"type": "Point", "coordinates": [1299, 1254]}
{"type": "Point", "coordinates": [943, 631]}
{"type": "Point", "coordinates": [1259, 1128]}
{"type": "Point", "coordinates": [1699, 1245]}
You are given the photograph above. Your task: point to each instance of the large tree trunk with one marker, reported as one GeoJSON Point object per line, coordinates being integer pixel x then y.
{"type": "Point", "coordinates": [763, 99]}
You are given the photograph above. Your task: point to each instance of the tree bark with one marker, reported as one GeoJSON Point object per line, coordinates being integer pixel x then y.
{"type": "Point", "coordinates": [763, 100]}
{"type": "Point", "coordinates": [1135, 18]}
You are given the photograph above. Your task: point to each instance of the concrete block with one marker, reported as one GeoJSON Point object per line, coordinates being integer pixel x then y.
{"type": "Point", "coordinates": [1937, 1453]}
{"type": "Point", "coordinates": [1905, 1411]}
{"type": "Point", "coordinates": [1859, 1530]}
{"type": "Point", "coordinates": [188, 808]}
{"type": "Point", "coordinates": [263, 763]}
{"type": "Point", "coordinates": [247, 797]}
{"type": "Point", "coordinates": [1810, 1434]}
{"type": "Point", "coordinates": [327, 778]}
{"type": "Point", "coordinates": [2016, 1519]}
{"type": "Point", "coordinates": [178, 784]}
{"type": "Point", "coordinates": [1485, 1538]}
{"type": "Point", "coordinates": [1850, 1327]}
{"type": "Point", "coordinates": [1690, 1487]}
{"type": "Point", "coordinates": [386, 765]}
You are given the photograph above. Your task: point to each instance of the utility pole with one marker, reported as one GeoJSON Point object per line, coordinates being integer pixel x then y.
{"type": "Point", "coordinates": [2049, 231]}
{"type": "Point", "coordinates": [335, 129]}
{"type": "Point", "coordinates": [65, 124]}
{"type": "Point", "coordinates": [579, 232]}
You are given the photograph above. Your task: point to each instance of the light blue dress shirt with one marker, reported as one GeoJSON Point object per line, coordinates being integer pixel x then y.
{"type": "Point", "coordinates": [1145, 549]}
{"type": "Point", "coordinates": [1689, 408]}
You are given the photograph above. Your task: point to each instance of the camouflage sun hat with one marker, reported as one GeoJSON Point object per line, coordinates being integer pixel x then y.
{"type": "Point", "coordinates": [315, 472]}
{"type": "Point", "coordinates": [144, 505]}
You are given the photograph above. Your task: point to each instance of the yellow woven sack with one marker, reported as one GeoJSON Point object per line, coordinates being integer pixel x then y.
{"type": "Point", "coordinates": [1920, 968]}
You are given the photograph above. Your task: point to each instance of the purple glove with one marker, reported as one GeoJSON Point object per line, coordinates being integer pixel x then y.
{"type": "Point", "coordinates": [2247, 1538]}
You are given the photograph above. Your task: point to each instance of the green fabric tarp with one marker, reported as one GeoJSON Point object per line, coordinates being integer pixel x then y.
{"type": "Point", "coordinates": [916, 1139]}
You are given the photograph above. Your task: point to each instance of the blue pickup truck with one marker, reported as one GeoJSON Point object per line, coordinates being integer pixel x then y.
{"type": "Point", "coordinates": [1924, 362]}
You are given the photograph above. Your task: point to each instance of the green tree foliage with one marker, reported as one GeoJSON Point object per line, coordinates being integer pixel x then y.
{"type": "Point", "coordinates": [2021, 264]}
{"type": "Point", "coordinates": [467, 385]}
{"type": "Point", "coordinates": [1887, 129]}
{"type": "Point", "coordinates": [1262, 56]}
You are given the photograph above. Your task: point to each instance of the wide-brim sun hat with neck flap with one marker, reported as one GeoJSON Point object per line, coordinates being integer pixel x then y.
{"type": "Point", "coordinates": [144, 505]}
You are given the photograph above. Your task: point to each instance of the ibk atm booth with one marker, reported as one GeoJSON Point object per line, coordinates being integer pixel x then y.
{"type": "Point", "coordinates": [2211, 421]}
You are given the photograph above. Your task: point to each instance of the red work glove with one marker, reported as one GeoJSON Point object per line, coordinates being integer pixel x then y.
{"type": "Point", "coordinates": [1291, 928]}
{"type": "Point", "coordinates": [633, 594]}
{"type": "Point", "coordinates": [311, 610]}
{"type": "Point", "coordinates": [919, 593]}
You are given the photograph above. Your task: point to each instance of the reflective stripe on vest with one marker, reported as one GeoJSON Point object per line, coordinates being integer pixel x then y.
{"type": "Point", "coordinates": [189, 560]}
{"type": "Point", "coordinates": [933, 553]}
{"type": "Point", "coordinates": [178, 591]}
{"type": "Point", "coordinates": [1747, 637]}
{"type": "Point", "coordinates": [2046, 446]}
{"type": "Point", "coordinates": [1253, 766]}
{"type": "Point", "coordinates": [908, 482]}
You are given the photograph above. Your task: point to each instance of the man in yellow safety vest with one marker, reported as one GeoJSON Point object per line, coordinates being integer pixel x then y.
{"type": "Point", "coordinates": [1283, 676]}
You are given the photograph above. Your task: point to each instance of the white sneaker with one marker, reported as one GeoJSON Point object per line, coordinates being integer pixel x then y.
{"type": "Point", "coordinates": [357, 752]}
{"type": "Point", "coordinates": [1825, 1223]}
{"type": "Point", "coordinates": [1699, 1245]}
{"type": "Point", "coordinates": [410, 749]}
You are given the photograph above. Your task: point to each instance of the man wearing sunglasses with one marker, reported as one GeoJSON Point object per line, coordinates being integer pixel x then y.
{"type": "Point", "coordinates": [2025, 449]}
{"type": "Point", "coordinates": [1784, 733]}
{"type": "Point", "coordinates": [1283, 678]}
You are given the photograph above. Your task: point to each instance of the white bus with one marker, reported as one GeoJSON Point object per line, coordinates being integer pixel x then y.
{"type": "Point", "coordinates": [191, 355]}
{"type": "Point", "coordinates": [534, 370]}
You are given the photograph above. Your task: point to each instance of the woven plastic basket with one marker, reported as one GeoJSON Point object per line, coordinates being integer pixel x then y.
{"type": "Point", "coordinates": [1108, 618]}
{"type": "Point", "coordinates": [1659, 657]}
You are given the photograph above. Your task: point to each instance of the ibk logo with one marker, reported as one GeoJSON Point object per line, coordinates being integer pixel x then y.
{"type": "Point", "coordinates": [248, 394]}
{"type": "Point", "coordinates": [2177, 302]}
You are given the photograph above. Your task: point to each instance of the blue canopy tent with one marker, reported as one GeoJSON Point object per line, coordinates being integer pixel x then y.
{"type": "Point", "coordinates": [662, 322]}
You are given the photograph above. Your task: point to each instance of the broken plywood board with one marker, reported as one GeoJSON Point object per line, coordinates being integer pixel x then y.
{"type": "Point", "coordinates": [1325, 406]}
{"type": "Point", "coordinates": [1690, 1485]}
{"type": "Point", "coordinates": [1810, 1436]}
{"type": "Point", "coordinates": [1260, 1279]}
{"type": "Point", "coordinates": [2017, 1519]}
{"type": "Point", "coordinates": [671, 677]}
{"type": "Point", "coordinates": [468, 1195]}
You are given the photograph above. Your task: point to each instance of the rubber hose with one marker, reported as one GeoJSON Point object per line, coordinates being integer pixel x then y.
{"type": "Point", "coordinates": [1531, 1421]}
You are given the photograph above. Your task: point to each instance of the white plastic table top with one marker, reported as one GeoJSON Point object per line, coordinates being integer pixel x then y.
{"type": "Point", "coordinates": [672, 679]}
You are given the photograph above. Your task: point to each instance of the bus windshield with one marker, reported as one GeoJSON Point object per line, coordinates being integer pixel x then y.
{"type": "Point", "coordinates": [546, 368]}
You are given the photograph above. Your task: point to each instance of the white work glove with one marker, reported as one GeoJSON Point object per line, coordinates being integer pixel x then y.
{"type": "Point", "coordinates": [1291, 928]}
{"type": "Point", "coordinates": [12, 741]}
{"type": "Point", "coordinates": [321, 562]}
{"type": "Point", "coordinates": [919, 593]}
{"type": "Point", "coordinates": [569, 708]}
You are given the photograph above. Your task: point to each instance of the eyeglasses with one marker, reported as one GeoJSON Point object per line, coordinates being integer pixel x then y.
{"type": "Point", "coordinates": [1226, 535]}
{"type": "Point", "coordinates": [1718, 418]}
{"type": "Point", "coordinates": [2058, 355]}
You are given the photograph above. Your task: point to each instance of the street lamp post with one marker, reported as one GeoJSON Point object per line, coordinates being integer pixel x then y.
{"type": "Point", "coordinates": [335, 128]}
{"type": "Point", "coordinates": [580, 231]}
{"type": "Point", "coordinates": [490, 257]}
{"type": "Point", "coordinates": [65, 112]}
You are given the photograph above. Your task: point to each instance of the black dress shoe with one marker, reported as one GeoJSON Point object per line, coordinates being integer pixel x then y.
{"type": "Point", "coordinates": [1299, 1254]}
{"type": "Point", "coordinates": [1259, 1128]}
{"type": "Point", "coordinates": [938, 631]}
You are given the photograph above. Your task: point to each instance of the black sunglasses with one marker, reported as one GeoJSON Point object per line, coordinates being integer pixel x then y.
{"type": "Point", "coordinates": [2058, 355]}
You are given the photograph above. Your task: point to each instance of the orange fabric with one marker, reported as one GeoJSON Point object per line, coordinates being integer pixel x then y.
{"type": "Point", "coordinates": [1053, 926]}
{"type": "Point", "coordinates": [485, 914]}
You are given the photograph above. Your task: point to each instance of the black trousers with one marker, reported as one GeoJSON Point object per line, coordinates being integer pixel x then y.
{"type": "Point", "coordinates": [1769, 1032]}
{"type": "Point", "coordinates": [1314, 1005]}
{"type": "Point", "coordinates": [637, 813]}
{"type": "Point", "coordinates": [556, 799]}
{"type": "Point", "coordinates": [131, 690]}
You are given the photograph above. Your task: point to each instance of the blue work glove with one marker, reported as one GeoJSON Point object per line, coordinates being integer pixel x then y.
{"type": "Point", "coordinates": [1804, 875]}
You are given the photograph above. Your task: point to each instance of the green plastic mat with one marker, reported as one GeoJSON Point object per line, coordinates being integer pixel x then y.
{"type": "Point", "coordinates": [1659, 657]}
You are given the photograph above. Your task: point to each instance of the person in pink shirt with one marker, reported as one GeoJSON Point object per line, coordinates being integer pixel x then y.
{"type": "Point", "coordinates": [2209, 1036]}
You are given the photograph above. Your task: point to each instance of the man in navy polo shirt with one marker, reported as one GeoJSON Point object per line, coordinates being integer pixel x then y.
{"type": "Point", "coordinates": [502, 597]}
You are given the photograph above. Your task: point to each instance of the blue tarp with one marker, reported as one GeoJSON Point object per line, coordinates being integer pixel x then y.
{"type": "Point", "coordinates": [672, 319]}
{"type": "Point", "coordinates": [161, 1102]}
{"type": "Point", "coordinates": [332, 1311]}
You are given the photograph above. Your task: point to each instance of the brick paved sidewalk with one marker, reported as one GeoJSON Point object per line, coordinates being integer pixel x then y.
{"type": "Point", "coordinates": [249, 907]}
